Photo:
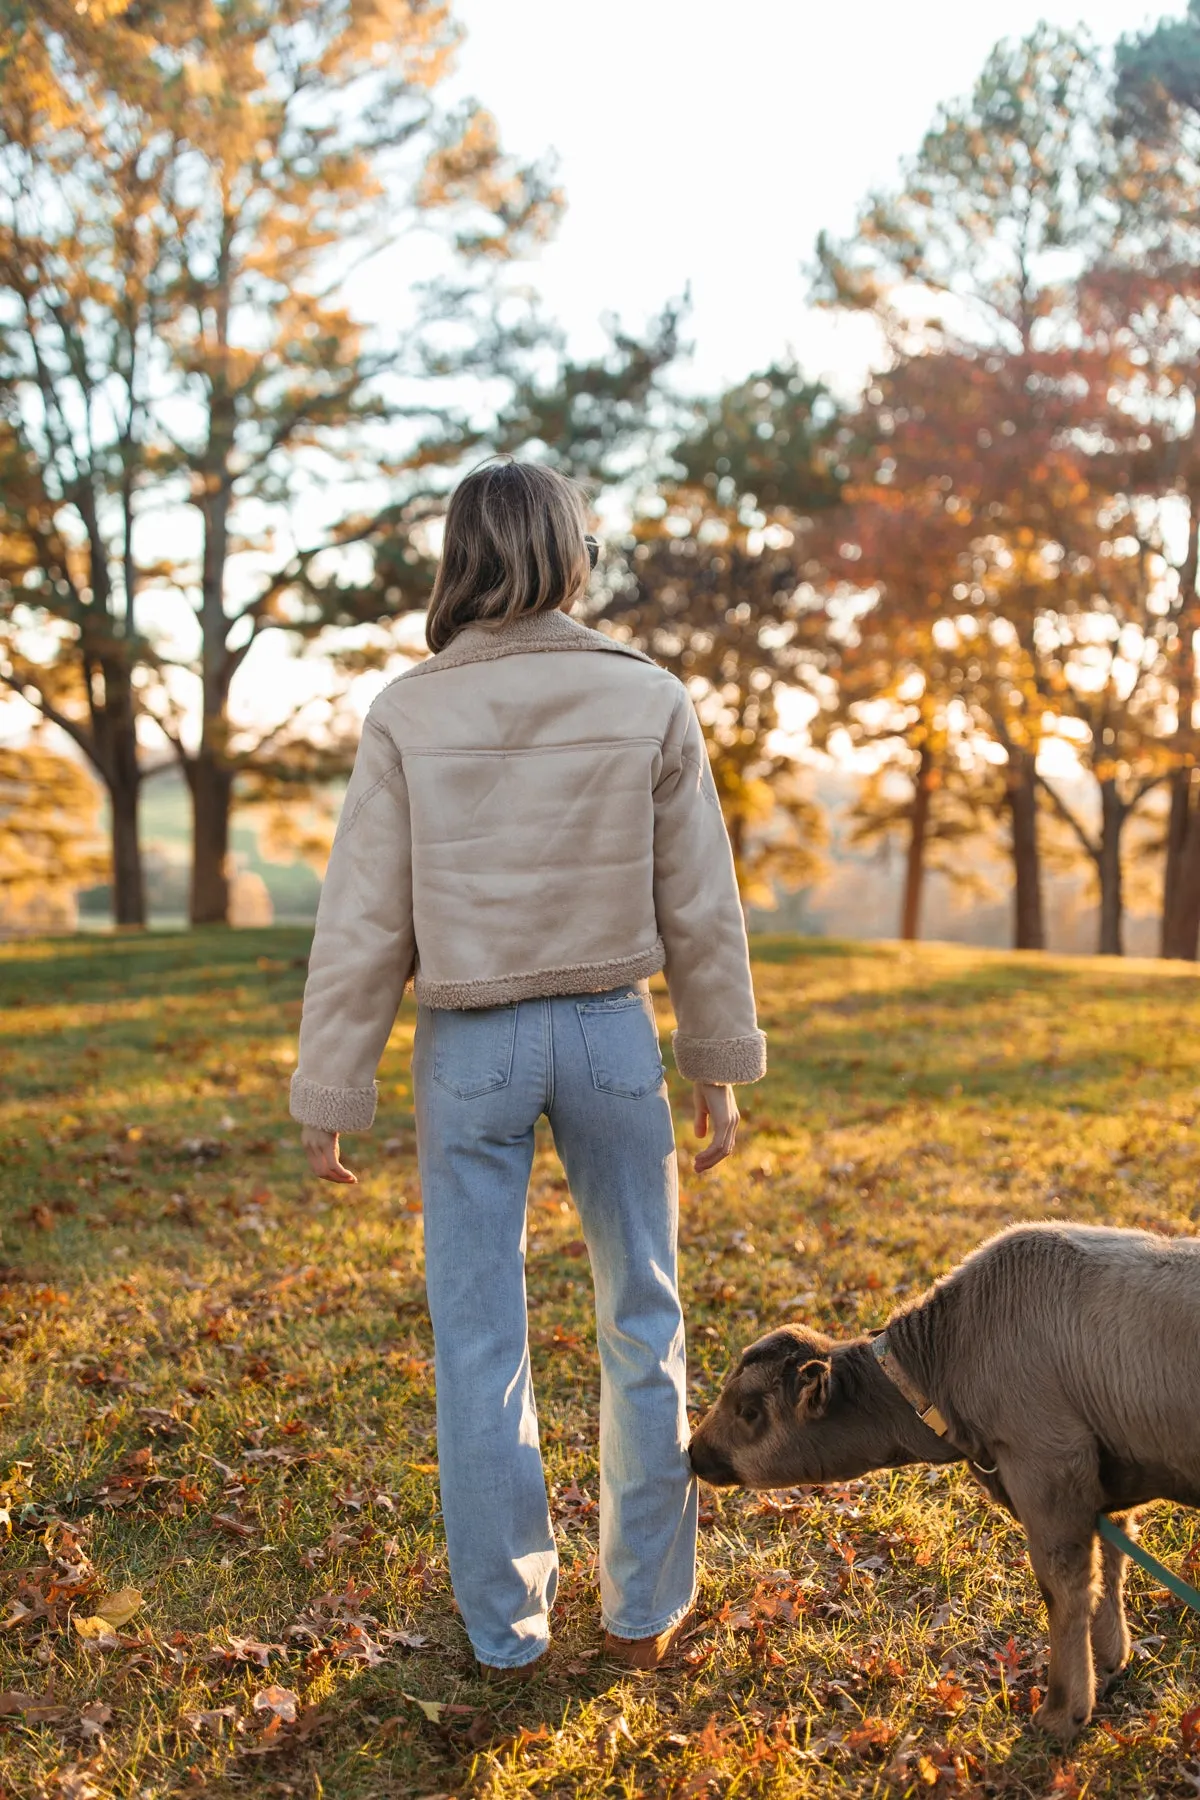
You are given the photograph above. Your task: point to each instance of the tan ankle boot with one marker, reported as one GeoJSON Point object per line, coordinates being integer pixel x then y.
{"type": "Point", "coordinates": [645, 1653]}
{"type": "Point", "coordinates": [522, 1672]}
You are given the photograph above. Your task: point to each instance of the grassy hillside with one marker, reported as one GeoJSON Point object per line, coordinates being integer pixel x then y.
{"type": "Point", "coordinates": [216, 1390]}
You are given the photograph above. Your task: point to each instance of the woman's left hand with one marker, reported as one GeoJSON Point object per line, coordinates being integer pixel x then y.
{"type": "Point", "coordinates": [321, 1149]}
{"type": "Point", "coordinates": [716, 1109]}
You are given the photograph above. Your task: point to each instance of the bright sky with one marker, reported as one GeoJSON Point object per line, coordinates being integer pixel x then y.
{"type": "Point", "coordinates": [704, 146]}
{"type": "Point", "coordinates": [708, 144]}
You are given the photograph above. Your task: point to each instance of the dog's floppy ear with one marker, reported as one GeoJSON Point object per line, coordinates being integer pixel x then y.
{"type": "Point", "coordinates": [806, 1383]}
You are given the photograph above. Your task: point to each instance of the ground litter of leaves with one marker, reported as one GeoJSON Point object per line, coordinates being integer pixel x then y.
{"type": "Point", "coordinates": [221, 1565]}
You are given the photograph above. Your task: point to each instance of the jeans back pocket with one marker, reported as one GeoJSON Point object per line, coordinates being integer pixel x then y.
{"type": "Point", "coordinates": [622, 1044]}
{"type": "Point", "coordinates": [473, 1050]}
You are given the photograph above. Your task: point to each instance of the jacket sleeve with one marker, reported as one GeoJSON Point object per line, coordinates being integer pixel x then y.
{"type": "Point", "coordinates": [700, 916]}
{"type": "Point", "coordinates": [363, 949]}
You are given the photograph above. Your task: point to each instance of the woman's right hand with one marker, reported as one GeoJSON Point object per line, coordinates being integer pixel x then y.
{"type": "Point", "coordinates": [715, 1108]}
{"type": "Point", "coordinates": [321, 1149]}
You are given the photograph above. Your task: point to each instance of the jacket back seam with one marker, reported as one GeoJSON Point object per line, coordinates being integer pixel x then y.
{"type": "Point", "coordinates": [396, 769]}
{"type": "Point", "coordinates": [707, 788]}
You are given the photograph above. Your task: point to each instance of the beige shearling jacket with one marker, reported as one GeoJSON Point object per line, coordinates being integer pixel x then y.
{"type": "Point", "coordinates": [531, 813]}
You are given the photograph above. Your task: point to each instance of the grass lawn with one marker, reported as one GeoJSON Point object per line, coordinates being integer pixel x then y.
{"type": "Point", "coordinates": [216, 1390]}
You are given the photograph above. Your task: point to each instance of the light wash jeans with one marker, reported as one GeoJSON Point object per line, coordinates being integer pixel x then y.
{"type": "Point", "coordinates": [591, 1063]}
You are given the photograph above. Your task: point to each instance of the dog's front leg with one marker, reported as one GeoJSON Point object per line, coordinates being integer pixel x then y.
{"type": "Point", "coordinates": [1110, 1633]}
{"type": "Point", "coordinates": [1062, 1548]}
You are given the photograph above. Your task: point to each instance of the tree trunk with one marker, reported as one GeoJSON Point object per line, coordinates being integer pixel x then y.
{"type": "Point", "coordinates": [129, 891]}
{"type": "Point", "coordinates": [914, 871]}
{"type": "Point", "coordinates": [209, 775]}
{"type": "Point", "coordinates": [211, 784]}
{"type": "Point", "coordinates": [1029, 932]}
{"type": "Point", "coordinates": [1181, 875]}
{"type": "Point", "coordinates": [1108, 867]}
{"type": "Point", "coordinates": [114, 753]}
{"type": "Point", "coordinates": [1180, 934]}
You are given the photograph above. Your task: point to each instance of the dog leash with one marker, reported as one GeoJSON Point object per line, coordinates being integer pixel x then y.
{"type": "Point", "coordinates": [1177, 1585]}
{"type": "Point", "coordinates": [929, 1415]}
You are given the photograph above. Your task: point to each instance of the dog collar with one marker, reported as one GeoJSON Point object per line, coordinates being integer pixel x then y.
{"type": "Point", "coordinates": [921, 1404]}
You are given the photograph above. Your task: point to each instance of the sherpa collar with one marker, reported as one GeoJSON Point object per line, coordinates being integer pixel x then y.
{"type": "Point", "coordinates": [542, 631]}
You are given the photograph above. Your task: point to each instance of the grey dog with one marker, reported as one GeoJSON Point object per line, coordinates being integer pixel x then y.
{"type": "Point", "coordinates": [1061, 1361]}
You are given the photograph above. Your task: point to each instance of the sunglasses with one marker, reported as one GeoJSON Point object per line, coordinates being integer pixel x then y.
{"type": "Point", "coordinates": [593, 550]}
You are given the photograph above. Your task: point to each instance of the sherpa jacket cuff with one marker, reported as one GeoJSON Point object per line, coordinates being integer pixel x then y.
{"type": "Point", "coordinates": [721, 1059]}
{"type": "Point", "coordinates": [331, 1108]}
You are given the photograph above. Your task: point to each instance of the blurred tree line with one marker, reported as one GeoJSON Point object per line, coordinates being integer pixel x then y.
{"type": "Point", "coordinates": [992, 552]}
{"type": "Point", "coordinates": [200, 442]}
{"type": "Point", "coordinates": [987, 557]}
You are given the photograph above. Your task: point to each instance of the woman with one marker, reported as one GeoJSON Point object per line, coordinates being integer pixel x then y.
{"type": "Point", "coordinates": [532, 830]}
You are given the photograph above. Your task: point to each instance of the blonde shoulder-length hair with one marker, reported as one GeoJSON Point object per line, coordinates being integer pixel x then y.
{"type": "Point", "coordinates": [514, 545]}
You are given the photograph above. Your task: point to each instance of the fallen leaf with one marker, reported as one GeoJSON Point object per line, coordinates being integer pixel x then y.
{"type": "Point", "coordinates": [92, 1628]}
{"type": "Point", "coordinates": [249, 1650]}
{"type": "Point", "coordinates": [437, 1710]}
{"type": "Point", "coordinates": [271, 1738]}
{"type": "Point", "coordinates": [610, 1733]}
{"type": "Point", "coordinates": [280, 1701]}
{"type": "Point", "coordinates": [1189, 1729]}
{"type": "Point", "coordinates": [116, 1610]}
{"type": "Point", "coordinates": [213, 1716]}
{"type": "Point", "coordinates": [120, 1607]}
{"type": "Point", "coordinates": [33, 1707]}
{"type": "Point", "coordinates": [485, 1730]}
{"type": "Point", "coordinates": [235, 1527]}
{"type": "Point", "coordinates": [93, 1719]}
{"type": "Point", "coordinates": [74, 1782]}
{"type": "Point", "coordinates": [872, 1734]}
{"type": "Point", "coordinates": [949, 1694]}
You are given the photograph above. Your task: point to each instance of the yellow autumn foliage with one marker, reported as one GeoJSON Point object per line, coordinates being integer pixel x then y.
{"type": "Point", "coordinates": [51, 838]}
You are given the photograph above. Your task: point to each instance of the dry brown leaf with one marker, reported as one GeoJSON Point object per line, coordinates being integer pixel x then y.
{"type": "Point", "coordinates": [93, 1719]}
{"type": "Point", "coordinates": [950, 1695]}
{"type": "Point", "coordinates": [74, 1781]}
{"type": "Point", "coordinates": [120, 1607]}
{"type": "Point", "coordinates": [117, 1609]}
{"type": "Point", "coordinates": [33, 1707]}
{"type": "Point", "coordinates": [250, 1650]}
{"type": "Point", "coordinates": [278, 1700]}
{"type": "Point", "coordinates": [610, 1734]}
{"type": "Point", "coordinates": [214, 1716]}
{"type": "Point", "coordinates": [437, 1710]}
{"type": "Point", "coordinates": [1189, 1729]}
{"type": "Point", "coordinates": [872, 1734]}
{"type": "Point", "coordinates": [407, 1640]}
{"type": "Point", "coordinates": [235, 1527]}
